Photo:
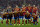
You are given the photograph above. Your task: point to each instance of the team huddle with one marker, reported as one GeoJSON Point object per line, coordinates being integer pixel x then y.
{"type": "Point", "coordinates": [28, 12]}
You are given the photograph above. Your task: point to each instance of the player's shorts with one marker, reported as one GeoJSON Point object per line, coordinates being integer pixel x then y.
{"type": "Point", "coordinates": [18, 16]}
{"type": "Point", "coordinates": [21, 17]}
{"type": "Point", "coordinates": [9, 17]}
{"type": "Point", "coordinates": [27, 18]}
{"type": "Point", "coordinates": [34, 20]}
{"type": "Point", "coordinates": [31, 13]}
{"type": "Point", "coordinates": [15, 17]}
{"type": "Point", "coordinates": [4, 18]}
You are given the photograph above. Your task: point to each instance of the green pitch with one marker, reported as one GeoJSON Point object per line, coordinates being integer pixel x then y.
{"type": "Point", "coordinates": [25, 25]}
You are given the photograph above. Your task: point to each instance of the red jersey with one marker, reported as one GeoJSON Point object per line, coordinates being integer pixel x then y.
{"type": "Point", "coordinates": [4, 16]}
{"type": "Point", "coordinates": [34, 10]}
{"type": "Point", "coordinates": [16, 9]}
{"type": "Point", "coordinates": [35, 17]}
{"type": "Point", "coordinates": [24, 10]}
{"type": "Point", "coordinates": [29, 9]}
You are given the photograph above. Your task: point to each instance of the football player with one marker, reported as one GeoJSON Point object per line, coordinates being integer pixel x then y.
{"type": "Point", "coordinates": [27, 16]}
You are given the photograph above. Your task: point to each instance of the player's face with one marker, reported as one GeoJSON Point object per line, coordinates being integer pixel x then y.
{"type": "Point", "coordinates": [23, 6]}
{"type": "Point", "coordinates": [9, 6]}
{"type": "Point", "coordinates": [17, 6]}
{"type": "Point", "coordinates": [33, 5]}
{"type": "Point", "coordinates": [29, 5]}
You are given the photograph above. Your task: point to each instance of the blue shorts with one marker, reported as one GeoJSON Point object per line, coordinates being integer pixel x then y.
{"type": "Point", "coordinates": [8, 17]}
{"type": "Point", "coordinates": [21, 17]}
{"type": "Point", "coordinates": [34, 20]}
{"type": "Point", "coordinates": [4, 18]}
{"type": "Point", "coordinates": [27, 18]}
{"type": "Point", "coordinates": [31, 13]}
{"type": "Point", "coordinates": [15, 17]}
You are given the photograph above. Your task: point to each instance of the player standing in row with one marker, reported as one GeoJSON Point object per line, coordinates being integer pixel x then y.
{"type": "Point", "coordinates": [16, 14]}
{"type": "Point", "coordinates": [7, 18]}
{"type": "Point", "coordinates": [3, 17]}
{"type": "Point", "coordinates": [35, 18]}
{"type": "Point", "coordinates": [10, 16]}
{"type": "Point", "coordinates": [29, 9]}
{"type": "Point", "coordinates": [35, 10]}
{"type": "Point", "coordinates": [27, 16]}
{"type": "Point", "coordinates": [23, 12]}
{"type": "Point", "coordinates": [9, 10]}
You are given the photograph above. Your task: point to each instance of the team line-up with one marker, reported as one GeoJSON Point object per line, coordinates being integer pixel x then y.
{"type": "Point", "coordinates": [19, 13]}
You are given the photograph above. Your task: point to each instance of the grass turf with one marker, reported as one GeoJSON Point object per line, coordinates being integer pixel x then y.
{"type": "Point", "coordinates": [28, 25]}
